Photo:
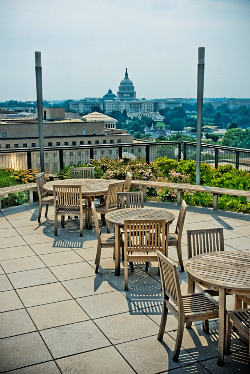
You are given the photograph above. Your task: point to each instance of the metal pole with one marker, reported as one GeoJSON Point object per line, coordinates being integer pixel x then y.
{"type": "Point", "coordinates": [39, 93]}
{"type": "Point", "coordinates": [200, 86]}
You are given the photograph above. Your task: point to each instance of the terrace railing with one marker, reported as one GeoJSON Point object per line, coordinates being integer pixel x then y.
{"type": "Point", "coordinates": [58, 157]}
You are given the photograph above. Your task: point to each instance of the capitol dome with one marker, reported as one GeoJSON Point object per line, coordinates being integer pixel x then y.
{"type": "Point", "coordinates": [126, 89]}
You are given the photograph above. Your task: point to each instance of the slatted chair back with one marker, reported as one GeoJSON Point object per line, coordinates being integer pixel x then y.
{"type": "Point", "coordinates": [40, 182]}
{"type": "Point", "coordinates": [204, 241]}
{"type": "Point", "coordinates": [142, 238]}
{"type": "Point", "coordinates": [170, 284]}
{"type": "Point", "coordinates": [181, 219]}
{"type": "Point", "coordinates": [130, 200]}
{"type": "Point", "coordinates": [111, 199]}
{"type": "Point", "coordinates": [240, 319]}
{"type": "Point", "coordinates": [127, 183]}
{"type": "Point", "coordinates": [82, 172]}
{"type": "Point", "coordinates": [67, 202]}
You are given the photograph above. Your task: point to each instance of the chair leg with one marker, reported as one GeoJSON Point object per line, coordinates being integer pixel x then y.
{"type": "Point", "coordinates": [62, 221]}
{"type": "Point", "coordinates": [147, 266]}
{"type": "Point", "coordinates": [178, 340]}
{"type": "Point", "coordinates": [205, 324]}
{"type": "Point", "coordinates": [179, 253]}
{"type": "Point", "coordinates": [46, 210]}
{"type": "Point", "coordinates": [164, 316]}
{"type": "Point", "coordinates": [98, 257]}
{"type": "Point", "coordinates": [228, 335]}
{"type": "Point", "coordinates": [56, 223]}
{"type": "Point", "coordinates": [126, 273]}
{"type": "Point", "coordinates": [40, 212]}
{"type": "Point", "coordinates": [103, 219]}
{"type": "Point", "coordinates": [81, 225]}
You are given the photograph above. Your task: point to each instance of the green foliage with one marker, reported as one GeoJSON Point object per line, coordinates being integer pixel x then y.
{"type": "Point", "coordinates": [177, 124]}
{"type": "Point", "coordinates": [237, 137]}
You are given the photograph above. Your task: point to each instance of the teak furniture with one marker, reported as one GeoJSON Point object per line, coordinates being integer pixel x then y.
{"type": "Point", "coordinates": [226, 272]}
{"type": "Point", "coordinates": [186, 308]}
{"type": "Point", "coordinates": [44, 197]}
{"type": "Point", "coordinates": [82, 172]}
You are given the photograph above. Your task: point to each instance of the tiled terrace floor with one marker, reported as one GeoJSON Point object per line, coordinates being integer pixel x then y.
{"type": "Point", "coordinates": [57, 316]}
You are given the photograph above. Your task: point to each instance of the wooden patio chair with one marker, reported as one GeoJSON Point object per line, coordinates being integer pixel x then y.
{"type": "Point", "coordinates": [186, 308]}
{"type": "Point", "coordinates": [199, 242]}
{"type": "Point", "coordinates": [142, 238]}
{"type": "Point", "coordinates": [127, 183]}
{"type": "Point", "coordinates": [82, 172]}
{"type": "Point", "coordinates": [239, 319]}
{"type": "Point", "coordinates": [68, 202]}
{"type": "Point", "coordinates": [103, 240]}
{"type": "Point", "coordinates": [44, 197]}
{"type": "Point", "coordinates": [130, 200]}
{"type": "Point", "coordinates": [175, 237]}
{"type": "Point", "coordinates": [110, 201]}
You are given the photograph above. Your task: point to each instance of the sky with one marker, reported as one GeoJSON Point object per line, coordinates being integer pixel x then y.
{"type": "Point", "coordinates": [86, 45]}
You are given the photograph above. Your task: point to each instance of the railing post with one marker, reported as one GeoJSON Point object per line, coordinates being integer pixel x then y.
{"type": "Point", "coordinates": [147, 154]}
{"type": "Point", "coordinates": [29, 166]}
{"type": "Point", "coordinates": [237, 160]}
{"type": "Point", "coordinates": [179, 151]}
{"type": "Point", "coordinates": [91, 153]}
{"type": "Point", "coordinates": [216, 158]}
{"type": "Point", "coordinates": [61, 159]}
{"type": "Point", "coordinates": [120, 151]}
{"type": "Point", "coordinates": [184, 150]}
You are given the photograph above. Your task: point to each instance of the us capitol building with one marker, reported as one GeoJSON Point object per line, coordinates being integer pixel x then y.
{"type": "Point", "coordinates": [125, 100]}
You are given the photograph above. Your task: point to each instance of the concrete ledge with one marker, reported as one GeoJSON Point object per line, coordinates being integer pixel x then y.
{"type": "Point", "coordinates": [179, 187]}
{"type": "Point", "coordinates": [5, 191]}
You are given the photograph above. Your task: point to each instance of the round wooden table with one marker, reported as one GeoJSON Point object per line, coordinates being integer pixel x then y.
{"type": "Point", "coordinates": [228, 272]}
{"type": "Point", "coordinates": [117, 218]}
{"type": "Point", "coordinates": [91, 188]}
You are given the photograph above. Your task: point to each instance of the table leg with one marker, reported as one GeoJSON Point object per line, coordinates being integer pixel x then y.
{"type": "Point", "coordinates": [117, 250]}
{"type": "Point", "coordinates": [89, 223]}
{"type": "Point", "coordinates": [222, 326]}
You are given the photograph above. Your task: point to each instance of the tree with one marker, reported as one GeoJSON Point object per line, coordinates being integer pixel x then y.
{"type": "Point", "coordinates": [237, 138]}
{"type": "Point", "coordinates": [208, 111]}
{"type": "Point", "coordinates": [218, 120]}
{"type": "Point", "coordinates": [233, 125]}
{"type": "Point", "coordinates": [177, 124]}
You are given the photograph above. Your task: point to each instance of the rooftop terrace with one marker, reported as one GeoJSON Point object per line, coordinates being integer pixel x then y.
{"type": "Point", "coordinates": [57, 316]}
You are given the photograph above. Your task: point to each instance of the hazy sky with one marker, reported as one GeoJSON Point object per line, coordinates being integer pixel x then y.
{"type": "Point", "coordinates": [87, 44]}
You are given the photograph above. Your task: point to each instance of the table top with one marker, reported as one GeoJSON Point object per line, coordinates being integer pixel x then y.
{"type": "Point", "coordinates": [226, 269]}
{"type": "Point", "coordinates": [118, 216]}
{"type": "Point", "coordinates": [90, 187]}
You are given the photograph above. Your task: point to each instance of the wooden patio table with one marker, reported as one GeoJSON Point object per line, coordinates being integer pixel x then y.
{"type": "Point", "coordinates": [226, 272]}
{"type": "Point", "coordinates": [117, 218]}
{"type": "Point", "coordinates": [91, 188]}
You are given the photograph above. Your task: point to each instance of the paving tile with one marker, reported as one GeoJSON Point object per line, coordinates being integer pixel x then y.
{"type": "Point", "coordinates": [13, 241]}
{"type": "Point", "coordinates": [39, 238]}
{"type": "Point", "coordinates": [88, 286]}
{"type": "Point", "coordinates": [72, 271]}
{"type": "Point", "coordinates": [34, 230]}
{"type": "Point", "coordinates": [46, 368]}
{"type": "Point", "coordinates": [31, 278]}
{"type": "Point", "coordinates": [106, 304]}
{"type": "Point", "coordinates": [4, 224]}
{"type": "Point", "coordinates": [190, 369]}
{"type": "Point", "coordinates": [242, 243]}
{"type": "Point", "coordinates": [97, 361]}
{"type": "Point", "coordinates": [15, 322]}
{"type": "Point", "coordinates": [61, 258]}
{"type": "Point", "coordinates": [89, 253]}
{"type": "Point", "coordinates": [237, 362]}
{"type": "Point", "coordinates": [8, 232]}
{"type": "Point", "coordinates": [21, 264]}
{"type": "Point", "coordinates": [22, 350]}
{"type": "Point", "coordinates": [149, 296]}
{"type": "Point", "coordinates": [124, 327]}
{"type": "Point", "coordinates": [15, 252]}
{"type": "Point", "coordinates": [148, 355]}
{"type": "Point", "coordinates": [9, 301]}
{"type": "Point", "coordinates": [44, 294]}
{"type": "Point", "coordinates": [50, 247]}
{"type": "Point", "coordinates": [24, 222]}
{"type": "Point", "coordinates": [75, 338]}
{"type": "Point", "coordinates": [57, 314]}
{"type": "Point", "coordinates": [5, 284]}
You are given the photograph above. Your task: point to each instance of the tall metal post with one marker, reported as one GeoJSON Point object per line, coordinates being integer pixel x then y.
{"type": "Point", "coordinates": [39, 93]}
{"type": "Point", "coordinates": [200, 87]}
